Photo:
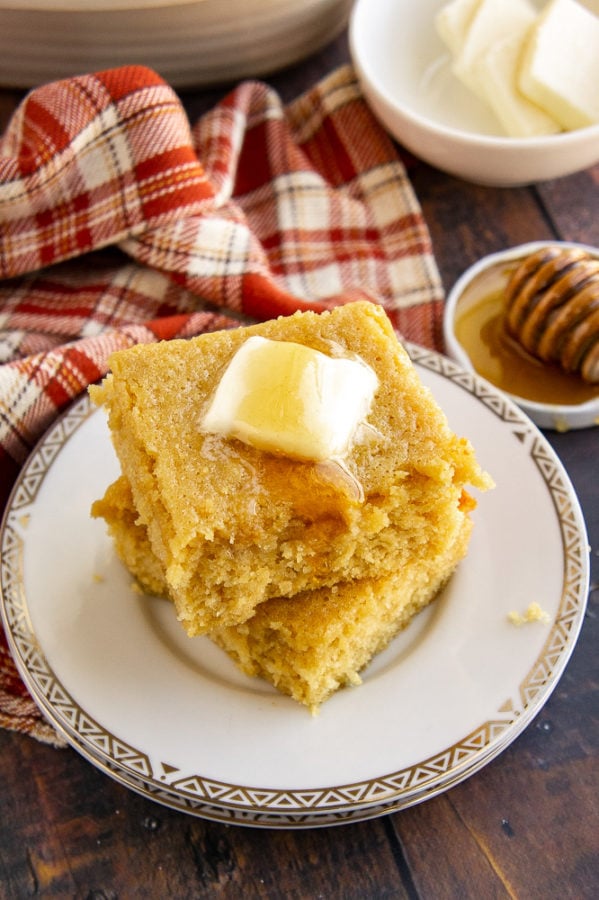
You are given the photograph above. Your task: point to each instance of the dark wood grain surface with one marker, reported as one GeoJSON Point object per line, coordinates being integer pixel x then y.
{"type": "Point", "coordinates": [526, 826]}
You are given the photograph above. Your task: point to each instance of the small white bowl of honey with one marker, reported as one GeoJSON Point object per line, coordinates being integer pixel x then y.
{"type": "Point", "coordinates": [526, 319]}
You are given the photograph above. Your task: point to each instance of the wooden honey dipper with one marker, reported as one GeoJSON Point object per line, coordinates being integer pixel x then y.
{"type": "Point", "coordinates": [553, 309]}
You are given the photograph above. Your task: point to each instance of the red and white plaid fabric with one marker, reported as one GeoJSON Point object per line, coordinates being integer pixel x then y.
{"type": "Point", "coordinates": [121, 223]}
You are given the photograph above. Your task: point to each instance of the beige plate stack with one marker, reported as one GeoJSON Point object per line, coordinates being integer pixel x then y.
{"type": "Point", "coordinates": [189, 42]}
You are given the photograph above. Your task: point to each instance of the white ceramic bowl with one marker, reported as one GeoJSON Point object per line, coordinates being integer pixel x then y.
{"type": "Point", "coordinates": [405, 73]}
{"type": "Point", "coordinates": [481, 279]}
{"type": "Point", "coordinates": [189, 42]}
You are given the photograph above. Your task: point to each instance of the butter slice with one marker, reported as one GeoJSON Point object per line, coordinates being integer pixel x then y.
{"type": "Point", "coordinates": [560, 65]}
{"type": "Point", "coordinates": [498, 76]}
{"type": "Point", "coordinates": [292, 400]}
{"type": "Point", "coordinates": [492, 21]}
{"type": "Point", "coordinates": [453, 21]}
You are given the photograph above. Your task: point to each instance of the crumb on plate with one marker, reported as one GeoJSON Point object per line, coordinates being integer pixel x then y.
{"type": "Point", "coordinates": [533, 613]}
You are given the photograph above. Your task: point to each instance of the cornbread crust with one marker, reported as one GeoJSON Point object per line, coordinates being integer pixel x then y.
{"type": "Point", "coordinates": [310, 645]}
{"type": "Point", "coordinates": [232, 527]}
{"type": "Point", "coordinates": [130, 538]}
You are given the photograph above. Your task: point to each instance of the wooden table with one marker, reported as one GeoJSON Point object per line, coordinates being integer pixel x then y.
{"type": "Point", "coordinates": [526, 826]}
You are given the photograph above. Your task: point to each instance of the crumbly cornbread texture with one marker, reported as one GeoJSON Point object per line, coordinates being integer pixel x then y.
{"type": "Point", "coordinates": [310, 645]}
{"type": "Point", "coordinates": [232, 526]}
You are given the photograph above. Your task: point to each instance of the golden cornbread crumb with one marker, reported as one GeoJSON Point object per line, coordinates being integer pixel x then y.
{"type": "Point", "coordinates": [231, 527]}
{"type": "Point", "coordinates": [533, 613]}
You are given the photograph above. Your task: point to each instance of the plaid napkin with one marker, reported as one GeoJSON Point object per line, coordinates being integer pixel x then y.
{"type": "Point", "coordinates": [122, 223]}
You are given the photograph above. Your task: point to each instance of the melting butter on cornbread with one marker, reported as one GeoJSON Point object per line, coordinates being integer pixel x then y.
{"type": "Point", "coordinates": [286, 398]}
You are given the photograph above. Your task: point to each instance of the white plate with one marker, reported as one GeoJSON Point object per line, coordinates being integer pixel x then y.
{"type": "Point", "coordinates": [172, 718]}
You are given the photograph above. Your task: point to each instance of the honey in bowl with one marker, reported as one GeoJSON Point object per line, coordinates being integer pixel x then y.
{"type": "Point", "coordinates": [497, 355]}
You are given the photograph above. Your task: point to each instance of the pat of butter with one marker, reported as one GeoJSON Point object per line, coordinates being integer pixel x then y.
{"type": "Point", "coordinates": [491, 22]}
{"type": "Point", "coordinates": [498, 76]}
{"type": "Point", "coordinates": [292, 400]}
{"type": "Point", "coordinates": [453, 21]}
{"type": "Point", "coordinates": [560, 65]}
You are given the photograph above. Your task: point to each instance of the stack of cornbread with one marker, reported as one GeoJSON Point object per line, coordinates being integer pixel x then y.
{"type": "Point", "coordinates": [292, 487]}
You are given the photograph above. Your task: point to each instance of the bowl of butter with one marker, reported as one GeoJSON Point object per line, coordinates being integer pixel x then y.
{"type": "Point", "coordinates": [496, 92]}
{"type": "Point", "coordinates": [527, 320]}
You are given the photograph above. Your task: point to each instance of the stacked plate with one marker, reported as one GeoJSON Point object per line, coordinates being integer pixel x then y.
{"type": "Point", "coordinates": [174, 720]}
{"type": "Point", "coordinates": [189, 42]}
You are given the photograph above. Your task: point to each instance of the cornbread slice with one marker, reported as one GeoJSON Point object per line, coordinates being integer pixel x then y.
{"type": "Point", "coordinates": [318, 641]}
{"type": "Point", "coordinates": [233, 526]}
{"type": "Point", "coordinates": [130, 538]}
